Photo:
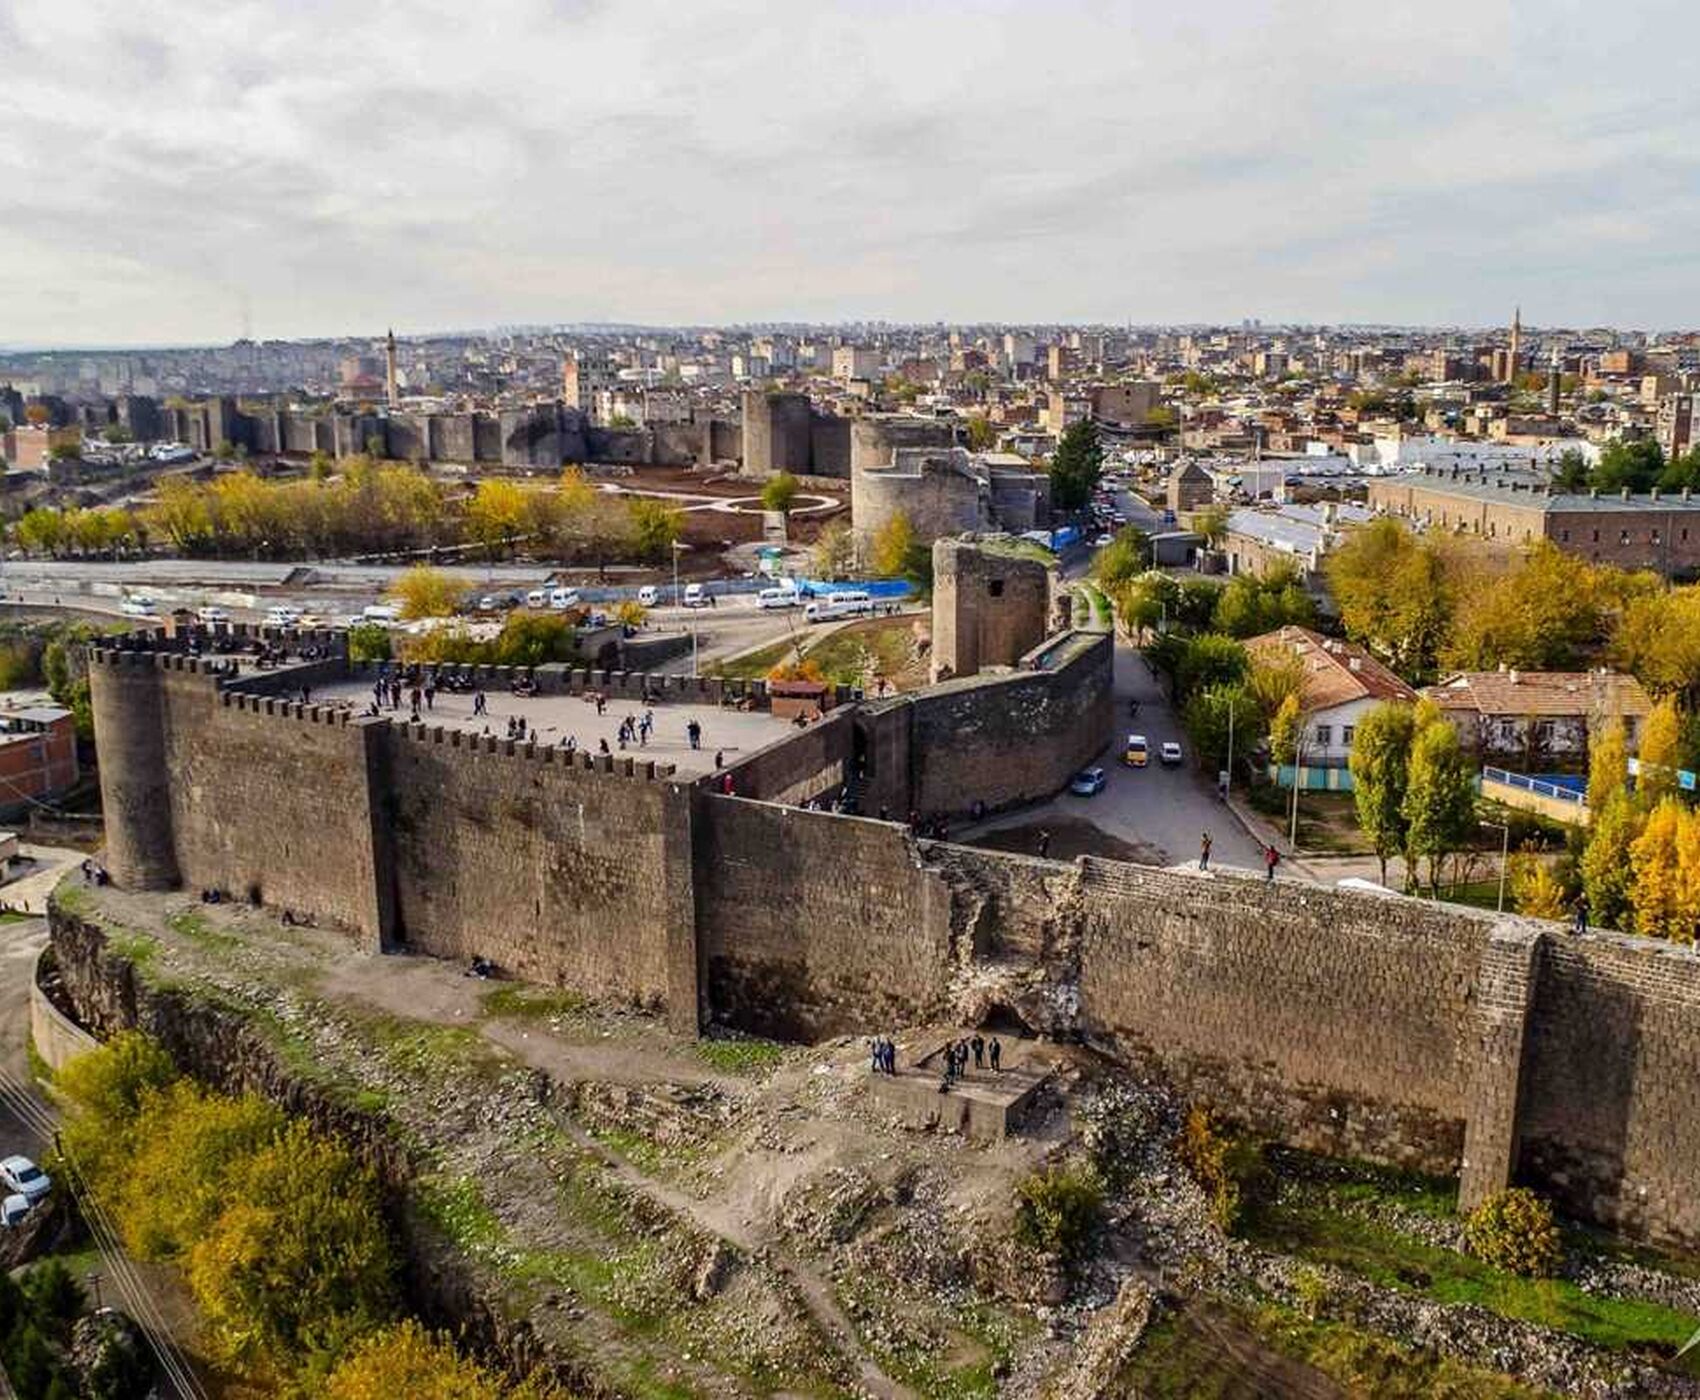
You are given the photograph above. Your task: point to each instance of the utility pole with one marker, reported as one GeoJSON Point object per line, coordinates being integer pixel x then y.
{"type": "Point", "coordinates": [1298, 763]}
{"type": "Point", "coordinates": [1504, 857]}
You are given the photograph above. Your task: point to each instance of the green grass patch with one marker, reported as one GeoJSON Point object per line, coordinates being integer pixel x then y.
{"type": "Point", "coordinates": [192, 925]}
{"type": "Point", "coordinates": [1184, 1356]}
{"type": "Point", "coordinates": [140, 950]}
{"type": "Point", "coordinates": [741, 1054]}
{"type": "Point", "coordinates": [456, 1206]}
{"type": "Point", "coordinates": [847, 656]}
{"type": "Point", "coordinates": [40, 1070]}
{"type": "Point", "coordinates": [754, 665]}
{"type": "Point", "coordinates": [16, 916]}
{"type": "Point", "coordinates": [71, 898]}
{"type": "Point", "coordinates": [1392, 1260]}
{"type": "Point", "coordinates": [520, 1002]}
{"type": "Point", "coordinates": [1348, 1180]}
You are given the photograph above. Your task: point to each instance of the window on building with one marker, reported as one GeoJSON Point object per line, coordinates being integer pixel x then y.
{"type": "Point", "coordinates": [1564, 535]}
{"type": "Point", "coordinates": [1346, 733]}
{"type": "Point", "coordinates": [1655, 537]}
{"type": "Point", "coordinates": [1685, 534]}
{"type": "Point", "coordinates": [1325, 734]}
{"type": "Point", "coordinates": [995, 587]}
{"type": "Point", "coordinates": [1544, 731]}
{"type": "Point", "coordinates": [1596, 536]}
{"type": "Point", "coordinates": [1623, 537]}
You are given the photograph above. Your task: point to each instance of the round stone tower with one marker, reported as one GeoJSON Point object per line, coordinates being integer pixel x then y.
{"type": "Point", "coordinates": [127, 694]}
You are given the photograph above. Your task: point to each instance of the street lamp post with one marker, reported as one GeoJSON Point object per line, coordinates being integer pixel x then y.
{"type": "Point", "coordinates": [678, 601]}
{"type": "Point", "coordinates": [1298, 764]}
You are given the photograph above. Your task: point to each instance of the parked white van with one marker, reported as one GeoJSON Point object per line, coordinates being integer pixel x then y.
{"type": "Point", "coordinates": [850, 603]}
{"type": "Point", "coordinates": [777, 598]}
{"type": "Point", "coordinates": [137, 607]}
{"type": "Point", "coordinates": [212, 614]}
{"type": "Point", "coordinates": [562, 598]}
{"type": "Point", "coordinates": [648, 596]}
{"type": "Point", "coordinates": [537, 598]}
{"type": "Point", "coordinates": [283, 615]}
{"type": "Point", "coordinates": [381, 613]}
{"type": "Point", "coordinates": [695, 596]}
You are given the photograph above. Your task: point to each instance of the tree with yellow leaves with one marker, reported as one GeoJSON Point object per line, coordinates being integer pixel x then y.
{"type": "Point", "coordinates": [422, 591]}
{"type": "Point", "coordinates": [892, 545]}
{"type": "Point", "coordinates": [1608, 763]}
{"type": "Point", "coordinates": [1535, 889]}
{"type": "Point", "coordinates": [406, 1360]}
{"type": "Point", "coordinates": [497, 513]}
{"type": "Point", "coordinates": [1659, 752]}
{"type": "Point", "coordinates": [1662, 906]}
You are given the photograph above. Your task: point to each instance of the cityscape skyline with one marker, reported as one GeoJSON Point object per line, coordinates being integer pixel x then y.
{"type": "Point", "coordinates": [183, 183]}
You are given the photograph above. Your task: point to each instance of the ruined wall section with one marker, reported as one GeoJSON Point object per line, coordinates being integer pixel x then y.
{"type": "Point", "coordinates": [811, 925]}
{"type": "Point", "coordinates": [1611, 1103]}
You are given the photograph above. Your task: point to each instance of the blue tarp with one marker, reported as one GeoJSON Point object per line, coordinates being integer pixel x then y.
{"type": "Point", "coordinates": [874, 587]}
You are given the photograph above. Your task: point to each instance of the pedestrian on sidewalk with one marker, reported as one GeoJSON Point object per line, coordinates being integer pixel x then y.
{"type": "Point", "coordinates": [1044, 844]}
{"type": "Point", "coordinates": [1271, 858]}
{"type": "Point", "coordinates": [1204, 851]}
{"type": "Point", "coordinates": [1581, 909]}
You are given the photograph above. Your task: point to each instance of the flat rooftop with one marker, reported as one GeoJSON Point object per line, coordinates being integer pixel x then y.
{"type": "Point", "coordinates": [553, 718]}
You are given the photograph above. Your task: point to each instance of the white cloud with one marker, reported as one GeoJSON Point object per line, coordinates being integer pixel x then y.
{"type": "Point", "coordinates": [437, 165]}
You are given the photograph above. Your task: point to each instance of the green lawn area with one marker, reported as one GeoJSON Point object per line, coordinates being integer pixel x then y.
{"type": "Point", "coordinates": [844, 655]}
{"type": "Point", "coordinates": [754, 665]}
{"type": "Point", "coordinates": [1393, 1260]}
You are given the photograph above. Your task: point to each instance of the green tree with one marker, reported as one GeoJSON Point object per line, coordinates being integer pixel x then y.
{"type": "Point", "coordinates": [369, 641]}
{"type": "Point", "coordinates": [1211, 522]}
{"type": "Point", "coordinates": [1206, 717]}
{"type": "Point", "coordinates": [1124, 558]}
{"type": "Point", "coordinates": [1571, 473]}
{"type": "Point", "coordinates": [1284, 730]}
{"type": "Point", "coordinates": [892, 545]}
{"type": "Point", "coordinates": [1440, 797]}
{"type": "Point", "coordinates": [1379, 764]}
{"type": "Point", "coordinates": [1395, 594]}
{"type": "Point", "coordinates": [779, 493]}
{"type": "Point", "coordinates": [1636, 465]}
{"type": "Point", "coordinates": [982, 435]}
{"type": "Point", "coordinates": [1210, 660]}
{"type": "Point", "coordinates": [406, 1360]}
{"type": "Point", "coordinates": [1542, 614]}
{"type": "Point", "coordinates": [1076, 466]}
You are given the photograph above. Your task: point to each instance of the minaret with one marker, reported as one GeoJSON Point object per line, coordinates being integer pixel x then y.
{"type": "Point", "coordinates": [1516, 346]}
{"type": "Point", "coordinates": [1552, 384]}
{"type": "Point", "coordinates": [389, 370]}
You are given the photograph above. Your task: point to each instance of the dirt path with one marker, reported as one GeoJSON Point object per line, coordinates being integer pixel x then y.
{"type": "Point", "coordinates": [815, 1291]}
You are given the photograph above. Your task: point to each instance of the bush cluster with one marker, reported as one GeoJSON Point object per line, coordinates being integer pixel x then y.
{"type": "Point", "coordinates": [1058, 1209]}
{"type": "Point", "coordinates": [1231, 1170]}
{"type": "Point", "coordinates": [1514, 1230]}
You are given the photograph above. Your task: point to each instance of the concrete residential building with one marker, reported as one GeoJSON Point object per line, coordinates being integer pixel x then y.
{"type": "Point", "coordinates": [1531, 720]}
{"type": "Point", "coordinates": [1299, 535]}
{"type": "Point", "coordinates": [1675, 427]}
{"type": "Point", "coordinates": [1341, 683]}
{"type": "Point", "coordinates": [854, 362]}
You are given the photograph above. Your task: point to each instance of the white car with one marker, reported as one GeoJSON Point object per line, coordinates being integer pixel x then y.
{"type": "Point", "coordinates": [13, 1210]}
{"type": "Point", "coordinates": [648, 596]}
{"type": "Point", "coordinates": [212, 614]}
{"type": "Point", "coordinates": [563, 598]}
{"type": "Point", "coordinates": [135, 607]}
{"type": "Point", "coordinates": [1170, 752]}
{"type": "Point", "coordinates": [23, 1176]}
{"type": "Point", "coordinates": [696, 596]}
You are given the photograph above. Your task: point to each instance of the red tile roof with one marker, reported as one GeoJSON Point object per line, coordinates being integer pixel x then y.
{"type": "Point", "coordinates": [1335, 672]}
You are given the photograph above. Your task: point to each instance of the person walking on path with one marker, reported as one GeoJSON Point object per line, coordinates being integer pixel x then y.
{"type": "Point", "coordinates": [1044, 844]}
{"type": "Point", "coordinates": [996, 1052]}
{"type": "Point", "coordinates": [1271, 858]}
{"type": "Point", "coordinates": [978, 1045]}
{"type": "Point", "coordinates": [1204, 851]}
{"type": "Point", "coordinates": [1581, 914]}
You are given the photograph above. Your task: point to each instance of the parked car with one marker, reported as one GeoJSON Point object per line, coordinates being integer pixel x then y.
{"type": "Point", "coordinates": [13, 1210]}
{"type": "Point", "coordinates": [135, 607]}
{"type": "Point", "coordinates": [563, 598]}
{"type": "Point", "coordinates": [23, 1176]}
{"type": "Point", "coordinates": [648, 596]}
{"type": "Point", "coordinates": [212, 614]}
{"type": "Point", "coordinates": [1088, 782]}
{"type": "Point", "coordinates": [696, 596]}
{"type": "Point", "coordinates": [1170, 752]}
{"type": "Point", "coordinates": [537, 598]}
{"type": "Point", "coordinates": [1137, 752]}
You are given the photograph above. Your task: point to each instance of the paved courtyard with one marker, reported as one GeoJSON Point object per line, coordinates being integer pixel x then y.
{"type": "Point", "coordinates": [553, 718]}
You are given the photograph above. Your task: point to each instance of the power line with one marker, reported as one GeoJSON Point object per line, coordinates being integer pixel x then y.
{"type": "Point", "coordinates": [173, 1364]}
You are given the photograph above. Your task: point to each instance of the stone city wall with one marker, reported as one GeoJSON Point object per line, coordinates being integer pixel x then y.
{"type": "Point", "coordinates": [1434, 1037]}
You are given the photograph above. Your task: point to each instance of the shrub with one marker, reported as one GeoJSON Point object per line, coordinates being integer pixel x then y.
{"type": "Point", "coordinates": [368, 641]}
{"type": "Point", "coordinates": [1058, 1209]}
{"type": "Point", "coordinates": [1231, 1171]}
{"type": "Point", "coordinates": [1514, 1230]}
{"type": "Point", "coordinates": [406, 1360]}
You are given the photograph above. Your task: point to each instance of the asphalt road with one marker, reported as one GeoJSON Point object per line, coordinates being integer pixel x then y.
{"type": "Point", "coordinates": [1163, 808]}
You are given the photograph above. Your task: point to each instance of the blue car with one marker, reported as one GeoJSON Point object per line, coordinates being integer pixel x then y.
{"type": "Point", "coordinates": [1088, 783]}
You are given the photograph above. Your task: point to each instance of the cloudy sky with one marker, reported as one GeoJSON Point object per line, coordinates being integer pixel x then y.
{"type": "Point", "coordinates": [171, 170]}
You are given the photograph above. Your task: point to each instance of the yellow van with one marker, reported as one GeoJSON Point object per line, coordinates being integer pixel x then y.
{"type": "Point", "coordinates": [1137, 753]}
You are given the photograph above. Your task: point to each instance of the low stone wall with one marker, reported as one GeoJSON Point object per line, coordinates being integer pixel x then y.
{"type": "Point", "coordinates": [57, 1038]}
